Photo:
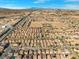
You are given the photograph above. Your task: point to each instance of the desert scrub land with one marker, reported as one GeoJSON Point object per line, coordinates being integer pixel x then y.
{"type": "Point", "coordinates": [44, 34]}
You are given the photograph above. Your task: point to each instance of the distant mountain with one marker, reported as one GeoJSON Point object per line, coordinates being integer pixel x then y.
{"type": "Point", "coordinates": [2, 9]}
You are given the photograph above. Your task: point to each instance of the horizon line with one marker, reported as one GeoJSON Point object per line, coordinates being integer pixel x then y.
{"type": "Point", "coordinates": [49, 8]}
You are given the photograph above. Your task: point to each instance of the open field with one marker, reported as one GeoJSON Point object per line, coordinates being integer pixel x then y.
{"type": "Point", "coordinates": [41, 34]}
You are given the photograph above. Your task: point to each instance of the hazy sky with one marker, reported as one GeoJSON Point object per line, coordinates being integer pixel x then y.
{"type": "Point", "coordinates": [20, 4]}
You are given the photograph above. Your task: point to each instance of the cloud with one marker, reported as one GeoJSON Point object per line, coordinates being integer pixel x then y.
{"type": "Point", "coordinates": [71, 6]}
{"type": "Point", "coordinates": [12, 6]}
{"type": "Point", "coordinates": [40, 1]}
